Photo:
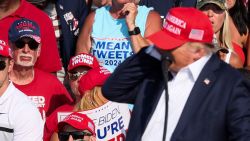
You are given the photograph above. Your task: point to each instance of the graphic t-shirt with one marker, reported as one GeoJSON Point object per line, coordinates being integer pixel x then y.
{"type": "Point", "coordinates": [111, 43]}
{"type": "Point", "coordinates": [46, 91]}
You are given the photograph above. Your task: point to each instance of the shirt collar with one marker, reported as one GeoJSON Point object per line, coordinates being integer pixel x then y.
{"type": "Point", "coordinates": [196, 67]}
{"type": "Point", "coordinates": [151, 50]}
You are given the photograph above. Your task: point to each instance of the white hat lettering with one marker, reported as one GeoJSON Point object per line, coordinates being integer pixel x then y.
{"type": "Point", "coordinates": [174, 24]}
{"type": "Point", "coordinates": [176, 21]}
{"type": "Point", "coordinates": [3, 42]}
{"type": "Point", "coordinates": [82, 58]}
{"type": "Point", "coordinates": [173, 29]}
{"type": "Point", "coordinates": [75, 117]}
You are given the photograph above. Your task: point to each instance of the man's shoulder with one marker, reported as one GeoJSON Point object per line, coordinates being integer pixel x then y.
{"type": "Point", "coordinates": [42, 75]}
{"type": "Point", "coordinates": [47, 80]}
{"type": "Point", "coordinates": [19, 100]}
{"type": "Point", "coordinates": [222, 69]}
{"type": "Point", "coordinates": [32, 12]}
{"type": "Point", "coordinates": [32, 9]}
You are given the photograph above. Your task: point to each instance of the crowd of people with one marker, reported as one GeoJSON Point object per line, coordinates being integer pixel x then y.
{"type": "Point", "coordinates": [134, 70]}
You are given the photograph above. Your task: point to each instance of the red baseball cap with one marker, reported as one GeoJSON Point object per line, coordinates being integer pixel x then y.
{"type": "Point", "coordinates": [79, 121]}
{"type": "Point", "coordinates": [83, 59]}
{"type": "Point", "coordinates": [183, 25]}
{"type": "Point", "coordinates": [94, 77]}
{"type": "Point", "coordinates": [5, 49]}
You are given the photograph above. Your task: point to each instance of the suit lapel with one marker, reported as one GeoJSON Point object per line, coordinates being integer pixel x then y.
{"type": "Point", "coordinates": [199, 92]}
{"type": "Point", "coordinates": [150, 102]}
{"type": "Point", "coordinates": [147, 99]}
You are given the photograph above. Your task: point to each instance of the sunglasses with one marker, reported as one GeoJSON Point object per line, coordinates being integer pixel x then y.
{"type": "Point", "coordinates": [77, 135]}
{"type": "Point", "coordinates": [33, 45]}
{"type": "Point", "coordinates": [75, 75]}
{"type": "Point", "coordinates": [2, 65]}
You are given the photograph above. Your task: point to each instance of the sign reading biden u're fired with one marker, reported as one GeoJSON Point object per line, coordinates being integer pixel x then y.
{"type": "Point", "coordinates": [111, 121]}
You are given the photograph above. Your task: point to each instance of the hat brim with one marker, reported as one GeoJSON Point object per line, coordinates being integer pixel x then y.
{"type": "Point", "coordinates": [70, 69]}
{"type": "Point", "coordinates": [201, 4]}
{"type": "Point", "coordinates": [63, 123]}
{"type": "Point", "coordinates": [164, 41]}
{"type": "Point", "coordinates": [33, 37]}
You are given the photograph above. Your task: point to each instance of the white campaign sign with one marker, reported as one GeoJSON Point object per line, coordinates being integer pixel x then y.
{"type": "Point", "coordinates": [111, 121]}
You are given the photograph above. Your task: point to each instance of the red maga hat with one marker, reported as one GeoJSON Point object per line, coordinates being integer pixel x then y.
{"type": "Point", "coordinates": [84, 60]}
{"type": "Point", "coordinates": [5, 49]}
{"type": "Point", "coordinates": [94, 77]}
{"type": "Point", "coordinates": [79, 121]}
{"type": "Point", "coordinates": [183, 25]}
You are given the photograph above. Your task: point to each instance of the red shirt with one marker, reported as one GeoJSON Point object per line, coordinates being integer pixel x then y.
{"type": "Point", "coordinates": [49, 59]}
{"type": "Point", "coordinates": [238, 49]}
{"type": "Point", "coordinates": [46, 91]}
{"type": "Point", "coordinates": [51, 123]}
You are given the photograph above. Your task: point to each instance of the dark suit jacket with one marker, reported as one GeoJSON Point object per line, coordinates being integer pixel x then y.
{"type": "Point", "coordinates": [217, 111]}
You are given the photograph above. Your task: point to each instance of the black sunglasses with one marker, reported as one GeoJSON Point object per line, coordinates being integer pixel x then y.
{"type": "Point", "coordinates": [64, 136]}
{"type": "Point", "coordinates": [75, 75]}
{"type": "Point", "coordinates": [33, 45]}
{"type": "Point", "coordinates": [2, 65]}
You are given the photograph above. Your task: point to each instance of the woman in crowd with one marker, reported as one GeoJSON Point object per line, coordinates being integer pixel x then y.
{"type": "Point", "coordinates": [113, 33]}
{"type": "Point", "coordinates": [217, 13]}
{"type": "Point", "coordinates": [85, 79]}
{"type": "Point", "coordinates": [238, 25]}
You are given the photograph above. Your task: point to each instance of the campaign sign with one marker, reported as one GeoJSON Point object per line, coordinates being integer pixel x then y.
{"type": "Point", "coordinates": [111, 121]}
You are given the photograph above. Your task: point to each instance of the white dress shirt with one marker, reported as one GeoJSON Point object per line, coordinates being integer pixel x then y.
{"type": "Point", "coordinates": [179, 90]}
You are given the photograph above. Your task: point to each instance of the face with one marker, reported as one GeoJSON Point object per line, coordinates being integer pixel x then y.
{"type": "Point", "coordinates": [185, 55]}
{"type": "Point", "coordinates": [72, 134]}
{"type": "Point", "coordinates": [230, 3]}
{"type": "Point", "coordinates": [25, 52]}
{"type": "Point", "coordinates": [5, 67]}
{"type": "Point", "coordinates": [74, 77]}
{"type": "Point", "coordinates": [215, 15]}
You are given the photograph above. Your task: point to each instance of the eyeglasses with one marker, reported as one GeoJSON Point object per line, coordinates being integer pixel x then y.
{"type": "Point", "coordinates": [33, 45]}
{"type": "Point", "coordinates": [2, 65]}
{"type": "Point", "coordinates": [64, 136]}
{"type": "Point", "coordinates": [74, 75]}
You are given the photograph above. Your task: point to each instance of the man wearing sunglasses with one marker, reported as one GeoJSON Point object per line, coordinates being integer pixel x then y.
{"type": "Point", "coordinates": [12, 10]}
{"type": "Point", "coordinates": [76, 127]}
{"type": "Point", "coordinates": [16, 124]}
{"type": "Point", "coordinates": [44, 89]}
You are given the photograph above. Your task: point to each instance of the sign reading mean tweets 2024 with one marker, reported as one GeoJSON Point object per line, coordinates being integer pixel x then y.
{"type": "Point", "coordinates": [111, 121]}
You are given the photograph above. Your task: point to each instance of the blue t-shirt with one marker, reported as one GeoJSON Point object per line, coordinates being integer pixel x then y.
{"type": "Point", "coordinates": [111, 43]}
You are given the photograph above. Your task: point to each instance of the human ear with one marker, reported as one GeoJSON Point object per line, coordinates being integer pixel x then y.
{"type": "Point", "coordinates": [11, 64]}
